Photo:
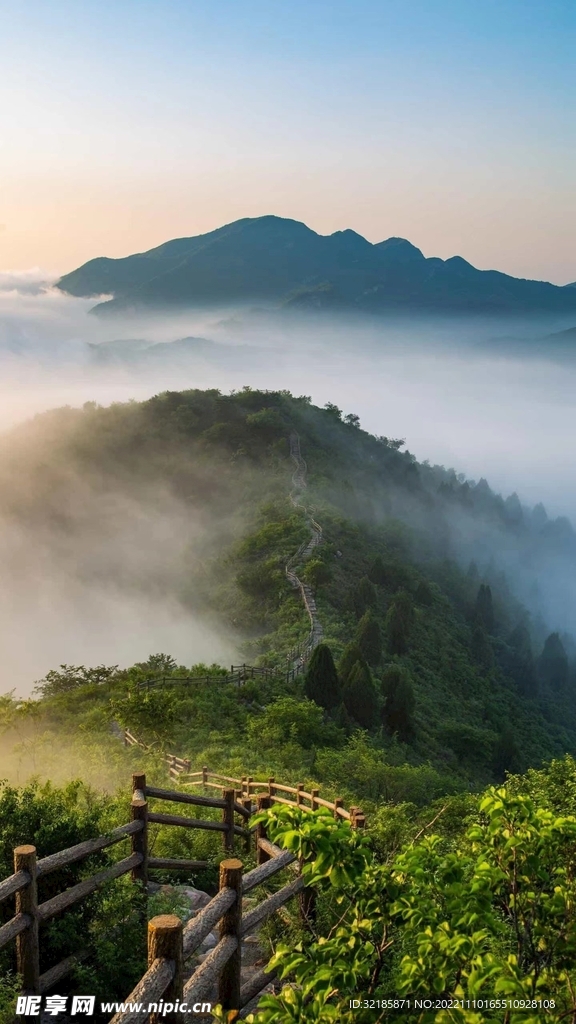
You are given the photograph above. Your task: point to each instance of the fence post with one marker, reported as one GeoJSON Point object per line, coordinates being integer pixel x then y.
{"type": "Point", "coordinates": [263, 803]}
{"type": "Point", "coordinates": [357, 818]}
{"type": "Point", "coordinates": [314, 793]}
{"type": "Point", "coordinates": [139, 808]}
{"type": "Point", "coordinates": [231, 924]}
{"type": "Point", "coordinates": [249, 782]}
{"type": "Point", "coordinates": [204, 775]}
{"type": "Point", "coordinates": [165, 941]}
{"type": "Point", "coordinates": [271, 790]}
{"type": "Point", "coordinates": [247, 804]}
{"type": "Point", "coordinates": [299, 788]}
{"type": "Point", "coordinates": [27, 946]}
{"type": "Point", "coordinates": [338, 803]}
{"type": "Point", "coordinates": [228, 819]}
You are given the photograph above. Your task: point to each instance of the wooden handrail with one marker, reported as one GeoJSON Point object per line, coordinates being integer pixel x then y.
{"type": "Point", "coordinates": [185, 798]}
{"type": "Point", "coordinates": [149, 989]}
{"type": "Point", "coordinates": [61, 970]}
{"type": "Point", "coordinates": [202, 981]}
{"type": "Point", "coordinates": [177, 864]}
{"type": "Point", "coordinates": [13, 927]}
{"type": "Point", "coordinates": [265, 871]}
{"type": "Point", "coordinates": [200, 926]}
{"type": "Point", "coordinates": [74, 853]}
{"type": "Point", "coordinates": [13, 884]}
{"type": "Point", "coordinates": [77, 892]}
{"type": "Point", "coordinates": [257, 982]}
{"type": "Point", "coordinates": [175, 819]}
{"type": "Point", "coordinates": [270, 905]}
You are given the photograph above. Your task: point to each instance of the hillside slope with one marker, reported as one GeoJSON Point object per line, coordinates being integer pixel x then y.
{"type": "Point", "coordinates": [279, 261]}
{"type": "Point", "coordinates": [187, 494]}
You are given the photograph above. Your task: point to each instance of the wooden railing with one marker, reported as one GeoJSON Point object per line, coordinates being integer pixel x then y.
{"type": "Point", "coordinates": [30, 914]}
{"type": "Point", "coordinates": [293, 796]}
{"type": "Point", "coordinates": [170, 943]}
{"type": "Point", "coordinates": [247, 787]}
{"type": "Point", "coordinates": [237, 676]}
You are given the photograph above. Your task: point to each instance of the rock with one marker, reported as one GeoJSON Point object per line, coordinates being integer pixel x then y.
{"type": "Point", "coordinates": [210, 941]}
{"type": "Point", "coordinates": [197, 898]}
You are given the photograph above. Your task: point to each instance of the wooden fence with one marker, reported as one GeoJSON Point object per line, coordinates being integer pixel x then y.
{"type": "Point", "coordinates": [169, 943]}
{"type": "Point", "coordinates": [237, 676]}
{"type": "Point", "coordinates": [246, 787]}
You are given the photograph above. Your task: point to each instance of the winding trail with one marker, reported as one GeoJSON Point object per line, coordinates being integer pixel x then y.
{"type": "Point", "coordinates": [300, 655]}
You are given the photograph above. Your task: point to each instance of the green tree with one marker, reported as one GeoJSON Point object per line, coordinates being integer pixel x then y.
{"type": "Point", "coordinates": [484, 611]}
{"type": "Point", "coordinates": [364, 596]}
{"type": "Point", "coordinates": [350, 655]}
{"type": "Point", "coordinates": [399, 622]}
{"type": "Point", "coordinates": [321, 683]}
{"type": "Point", "coordinates": [360, 697]}
{"type": "Point", "coordinates": [506, 754]}
{"type": "Point", "coordinates": [377, 571]}
{"type": "Point", "coordinates": [423, 594]}
{"type": "Point", "coordinates": [287, 720]}
{"type": "Point", "coordinates": [490, 910]}
{"type": "Point", "coordinates": [482, 648]}
{"type": "Point", "coordinates": [518, 661]}
{"type": "Point", "coordinates": [399, 702]}
{"type": "Point", "coordinates": [553, 664]}
{"type": "Point", "coordinates": [369, 638]}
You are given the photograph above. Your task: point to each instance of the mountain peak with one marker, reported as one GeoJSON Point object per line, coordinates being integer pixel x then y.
{"type": "Point", "coordinates": [400, 249]}
{"type": "Point", "coordinates": [277, 261]}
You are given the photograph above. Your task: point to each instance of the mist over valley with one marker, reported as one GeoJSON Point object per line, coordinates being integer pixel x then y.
{"type": "Point", "coordinates": [448, 387]}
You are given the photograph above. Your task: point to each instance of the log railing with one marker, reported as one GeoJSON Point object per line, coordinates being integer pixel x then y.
{"type": "Point", "coordinates": [246, 787]}
{"type": "Point", "coordinates": [237, 676]}
{"type": "Point", "coordinates": [170, 944]}
{"type": "Point", "coordinates": [30, 914]}
{"type": "Point", "coordinates": [220, 972]}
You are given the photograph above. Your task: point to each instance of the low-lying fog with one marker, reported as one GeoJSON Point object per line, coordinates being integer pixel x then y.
{"type": "Point", "coordinates": [496, 409]}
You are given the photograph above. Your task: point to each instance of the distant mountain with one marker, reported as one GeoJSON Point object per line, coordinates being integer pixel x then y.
{"type": "Point", "coordinates": [184, 352]}
{"type": "Point", "coordinates": [284, 263]}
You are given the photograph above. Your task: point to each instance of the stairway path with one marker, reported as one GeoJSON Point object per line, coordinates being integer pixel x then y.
{"type": "Point", "coordinates": [300, 656]}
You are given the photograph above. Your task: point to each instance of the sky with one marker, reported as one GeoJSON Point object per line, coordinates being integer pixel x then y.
{"type": "Point", "coordinates": [450, 122]}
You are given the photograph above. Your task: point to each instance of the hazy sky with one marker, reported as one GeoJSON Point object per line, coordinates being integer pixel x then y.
{"type": "Point", "coordinates": [450, 122]}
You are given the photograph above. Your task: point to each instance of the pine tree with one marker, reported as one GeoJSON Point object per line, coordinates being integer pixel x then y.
{"type": "Point", "coordinates": [399, 622]}
{"type": "Point", "coordinates": [423, 594]}
{"type": "Point", "coordinates": [482, 648]}
{"type": "Point", "coordinates": [350, 656]}
{"type": "Point", "coordinates": [321, 683]}
{"type": "Point", "coordinates": [506, 754]}
{"type": "Point", "coordinates": [473, 573]}
{"type": "Point", "coordinates": [369, 638]}
{"type": "Point", "coordinates": [484, 608]}
{"type": "Point", "coordinates": [399, 703]}
{"type": "Point", "coordinates": [377, 571]}
{"type": "Point", "coordinates": [520, 663]}
{"type": "Point", "coordinates": [553, 664]}
{"type": "Point", "coordinates": [364, 596]}
{"type": "Point", "coordinates": [360, 697]}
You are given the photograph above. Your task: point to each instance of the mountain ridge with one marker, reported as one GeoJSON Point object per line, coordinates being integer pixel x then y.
{"type": "Point", "coordinates": [286, 264]}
